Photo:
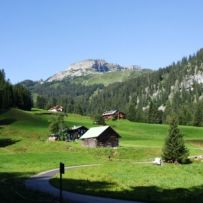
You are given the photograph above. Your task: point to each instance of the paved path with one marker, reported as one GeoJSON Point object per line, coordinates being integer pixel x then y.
{"type": "Point", "coordinates": [40, 182]}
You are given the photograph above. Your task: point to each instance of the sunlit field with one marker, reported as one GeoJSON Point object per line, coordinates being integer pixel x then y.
{"type": "Point", "coordinates": [128, 174]}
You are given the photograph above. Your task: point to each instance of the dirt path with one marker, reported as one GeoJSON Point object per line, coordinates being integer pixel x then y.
{"type": "Point", "coordinates": [40, 182]}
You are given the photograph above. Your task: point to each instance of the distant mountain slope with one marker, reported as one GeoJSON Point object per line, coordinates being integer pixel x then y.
{"type": "Point", "coordinates": [89, 67]}
{"type": "Point", "coordinates": [176, 89]}
{"type": "Point", "coordinates": [81, 79]}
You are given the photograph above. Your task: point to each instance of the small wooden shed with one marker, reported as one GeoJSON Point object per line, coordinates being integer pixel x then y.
{"type": "Point", "coordinates": [103, 136]}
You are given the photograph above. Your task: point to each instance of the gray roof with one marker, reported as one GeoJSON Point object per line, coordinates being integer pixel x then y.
{"type": "Point", "coordinates": [94, 132]}
{"type": "Point", "coordinates": [107, 113]}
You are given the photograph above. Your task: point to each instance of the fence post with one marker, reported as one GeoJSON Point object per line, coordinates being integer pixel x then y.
{"type": "Point", "coordinates": [62, 171]}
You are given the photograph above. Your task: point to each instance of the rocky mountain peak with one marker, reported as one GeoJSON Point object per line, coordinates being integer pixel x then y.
{"type": "Point", "coordinates": [86, 67]}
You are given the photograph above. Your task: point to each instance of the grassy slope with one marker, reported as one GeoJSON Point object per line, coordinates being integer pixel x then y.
{"type": "Point", "coordinates": [24, 150]}
{"type": "Point", "coordinates": [108, 78]}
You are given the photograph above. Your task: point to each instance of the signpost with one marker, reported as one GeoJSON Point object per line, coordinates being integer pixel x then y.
{"type": "Point", "coordinates": [62, 171]}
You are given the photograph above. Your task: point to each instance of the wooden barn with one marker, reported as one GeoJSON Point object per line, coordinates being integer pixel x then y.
{"type": "Point", "coordinates": [103, 136]}
{"type": "Point", "coordinates": [113, 114]}
{"type": "Point", "coordinates": [76, 132]}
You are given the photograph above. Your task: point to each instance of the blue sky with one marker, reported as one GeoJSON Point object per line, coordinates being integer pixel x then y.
{"type": "Point", "coordinates": [41, 37]}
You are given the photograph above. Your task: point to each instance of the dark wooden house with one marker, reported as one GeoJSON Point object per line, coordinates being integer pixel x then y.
{"type": "Point", "coordinates": [103, 136]}
{"type": "Point", "coordinates": [76, 132]}
{"type": "Point", "coordinates": [113, 114]}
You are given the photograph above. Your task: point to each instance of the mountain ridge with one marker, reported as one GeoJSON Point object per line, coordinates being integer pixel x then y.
{"type": "Point", "coordinates": [90, 66]}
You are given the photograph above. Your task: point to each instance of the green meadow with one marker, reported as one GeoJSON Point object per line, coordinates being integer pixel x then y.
{"type": "Point", "coordinates": [108, 78]}
{"type": "Point", "coordinates": [128, 174]}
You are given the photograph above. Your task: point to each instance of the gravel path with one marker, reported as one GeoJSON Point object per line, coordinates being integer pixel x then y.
{"type": "Point", "coordinates": [40, 182]}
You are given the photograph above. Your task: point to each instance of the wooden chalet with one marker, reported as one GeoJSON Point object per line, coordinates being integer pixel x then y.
{"type": "Point", "coordinates": [76, 132]}
{"type": "Point", "coordinates": [113, 114]}
{"type": "Point", "coordinates": [56, 108]}
{"type": "Point", "coordinates": [103, 136]}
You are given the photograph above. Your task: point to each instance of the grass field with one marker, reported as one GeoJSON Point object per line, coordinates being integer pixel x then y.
{"type": "Point", "coordinates": [24, 151]}
{"type": "Point", "coordinates": [108, 78]}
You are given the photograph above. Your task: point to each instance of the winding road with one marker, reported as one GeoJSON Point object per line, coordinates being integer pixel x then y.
{"type": "Point", "coordinates": [40, 182]}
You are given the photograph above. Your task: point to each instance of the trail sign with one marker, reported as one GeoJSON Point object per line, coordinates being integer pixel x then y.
{"type": "Point", "coordinates": [62, 168]}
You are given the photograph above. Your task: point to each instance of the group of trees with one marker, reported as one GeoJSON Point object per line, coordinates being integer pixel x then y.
{"type": "Point", "coordinates": [72, 96]}
{"type": "Point", "coordinates": [58, 127]}
{"type": "Point", "coordinates": [13, 95]}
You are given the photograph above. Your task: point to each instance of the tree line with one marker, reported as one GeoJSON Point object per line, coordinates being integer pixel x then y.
{"type": "Point", "coordinates": [13, 95]}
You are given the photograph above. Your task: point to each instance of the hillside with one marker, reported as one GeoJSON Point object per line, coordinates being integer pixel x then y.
{"type": "Point", "coordinates": [153, 97]}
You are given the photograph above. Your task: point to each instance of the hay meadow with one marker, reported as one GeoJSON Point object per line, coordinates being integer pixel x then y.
{"type": "Point", "coordinates": [127, 174]}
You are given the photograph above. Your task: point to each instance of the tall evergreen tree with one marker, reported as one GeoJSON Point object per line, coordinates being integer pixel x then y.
{"type": "Point", "coordinates": [174, 150]}
{"type": "Point", "coordinates": [154, 115]}
{"type": "Point", "coordinates": [6, 93]}
{"type": "Point", "coordinates": [41, 102]}
{"type": "Point", "coordinates": [22, 97]}
{"type": "Point", "coordinates": [131, 113]}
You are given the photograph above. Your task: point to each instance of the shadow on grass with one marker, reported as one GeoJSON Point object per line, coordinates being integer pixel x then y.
{"type": "Point", "coordinates": [85, 185]}
{"type": "Point", "coordinates": [50, 113]}
{"type": "Point", "coordinates": [7, 121]}
{"type": "Point", "coordinates": [4, 142]}
{"type": "Point", "coordinates": [142, 193]}
{"type": "Point", "coordinates": [12, 189]}
{"type": "Point", "coordinates": [44, 113]}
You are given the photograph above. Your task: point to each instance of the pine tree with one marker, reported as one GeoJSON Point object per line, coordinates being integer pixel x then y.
{"type": "Point", "coordinates": [131, 113]}
{"type": "Point", "coordinates": [174, 150]}
{"type": "Point", "coordinates": [154, 115]}
{"type": "Point", "coordinates": [41, 102]}
{"type": "Point", "coordinates": [22, 97]}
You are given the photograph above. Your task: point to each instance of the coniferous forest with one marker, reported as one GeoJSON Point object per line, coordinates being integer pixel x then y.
{"type": "Point", "coordinates": [13, 95]}
{"type": "Point", "coordinates": [152, 97]}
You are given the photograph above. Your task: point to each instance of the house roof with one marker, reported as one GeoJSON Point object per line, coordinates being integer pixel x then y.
{"type": "Point", "coordinates": [75, 127]}
{"type": "Point", "coordinates": [107, 113]}
{"type": "Point", "coordinates": [94, 132]}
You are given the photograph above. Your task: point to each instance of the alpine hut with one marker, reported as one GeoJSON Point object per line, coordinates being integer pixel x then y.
{"type": "Point", "coordinates": [103, 136]}
{"type": "Point", "coordinates": [113, 114]}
